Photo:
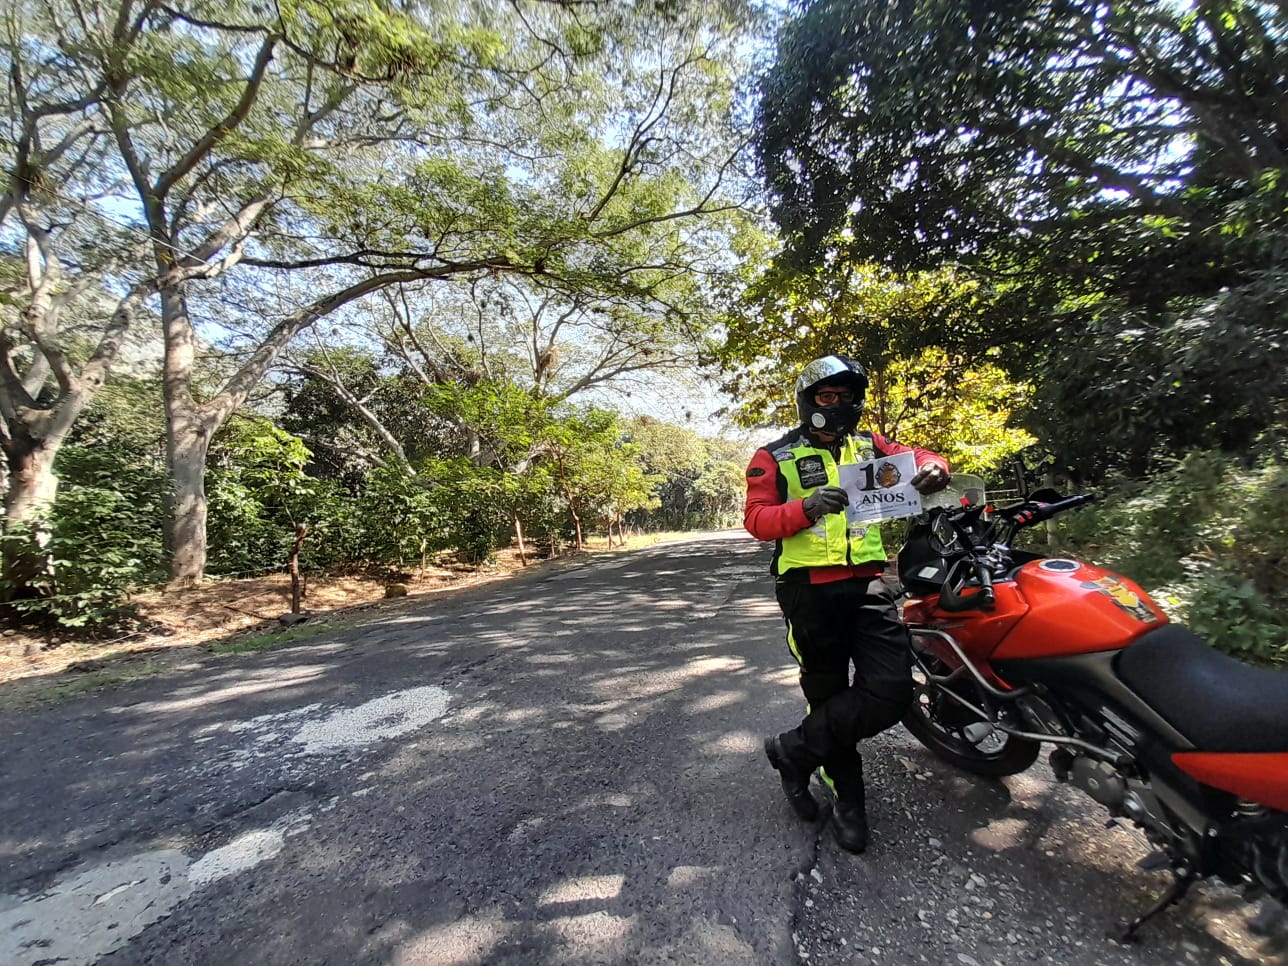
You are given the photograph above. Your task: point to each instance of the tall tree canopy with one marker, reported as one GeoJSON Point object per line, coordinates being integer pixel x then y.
{"type": "Point", "coordinates": [921, 131]}
{"type": "Point", "coordinates": [920, 335]}
{"type": "Point", "coordinates": [251, 170]}
{"type": "Point", "coordinates": [1120, 166]}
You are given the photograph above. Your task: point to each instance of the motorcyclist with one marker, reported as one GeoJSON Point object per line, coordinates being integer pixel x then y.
{"type": "Point", "coordinates": [838, 609]}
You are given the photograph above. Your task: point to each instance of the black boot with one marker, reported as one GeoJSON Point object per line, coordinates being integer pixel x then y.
{"type": "Point", "coordinates": [795, 780]}
{"type": "Point", "coordinates": [850, 812]}
{"type": "Point", "coordinates": [850, 823]}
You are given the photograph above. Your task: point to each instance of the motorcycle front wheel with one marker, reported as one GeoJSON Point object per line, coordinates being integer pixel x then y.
{"type": "Point", "coordinates": [959, 737]}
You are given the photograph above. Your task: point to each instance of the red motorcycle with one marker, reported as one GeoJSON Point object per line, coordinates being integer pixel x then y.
{"type": "Point", "coordinates": [1013, 650]}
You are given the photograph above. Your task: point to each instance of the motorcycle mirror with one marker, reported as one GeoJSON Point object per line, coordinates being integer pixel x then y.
{"type": "Point", "coordinates": [1044, 495]}
{"type": "Point", "coordinates": [1021, 477]}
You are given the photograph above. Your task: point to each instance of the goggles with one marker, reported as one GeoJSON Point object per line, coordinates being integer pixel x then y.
{"type": "Point", "coordinates": [829, 397]}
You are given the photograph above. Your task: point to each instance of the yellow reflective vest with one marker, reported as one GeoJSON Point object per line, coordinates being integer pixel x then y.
{"type": "Point", "coordinates": [830, 540]}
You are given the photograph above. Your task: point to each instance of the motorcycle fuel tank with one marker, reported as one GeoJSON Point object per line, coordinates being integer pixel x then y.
{"type": "Point", "coordinates": [1075, 608]}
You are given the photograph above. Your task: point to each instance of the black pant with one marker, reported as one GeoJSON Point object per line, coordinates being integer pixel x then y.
{"type": "Point", "coordinates": [829, 627]}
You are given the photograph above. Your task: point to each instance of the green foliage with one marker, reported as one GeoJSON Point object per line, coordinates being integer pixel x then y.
{"type": "Point", "coordinates": [258, 493]}
{"type": "Point", "coordinates": [696, 485]}
{"type": "Point", "coordinates": [474, 503]}
{"type": "Point", "coordinates": [1232, 613]}
{"type": "Point", "coordinates": [538, 460]}
{"type": "Point", "coordinates": [255, 643]}
{"type": "Point", "coordinates": [1207, 538]}
{"type": "Point", "coordinates": [924, 338]}
{"type": "Point", "coordinates": [100, 542]}
{"type": "Point", "coordinates": [963, 412]}
{"type": "Point", "coordinates": [339, 150]}
{"type": "Point", "coordinates": [787, 317]}
{"type": "Point", "coordinates": [326, 424]}
{"type": "Point", "coordinates": [720, 492]}
{"type": "Point", "coordinates": [85, 682]}
{"type": "Point", "coordinates": [101, 539]}
{"type": "Point", "coordinates": [1123, 386]}
{"type": "Point", "coordinates": [595, 469]}
{"type": "Point", "coordinates": [942, 131]}
{"type": "Point", "coordinates": [1070, 150]}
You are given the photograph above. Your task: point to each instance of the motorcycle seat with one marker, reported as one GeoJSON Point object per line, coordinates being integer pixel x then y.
{"type": "Point", "coordinates": [1217, 702]}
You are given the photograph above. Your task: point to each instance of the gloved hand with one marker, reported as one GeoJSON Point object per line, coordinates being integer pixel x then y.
{"type": "Point", "coordinates": [826, 499]}
{"type": "Point", "coordinates": [930, 478]}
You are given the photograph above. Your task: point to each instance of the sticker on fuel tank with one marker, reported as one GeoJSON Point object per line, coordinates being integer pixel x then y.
{"type": "Point", "coordinates": [1123, 596]}
{"type": "Point", "coordinates": [1058, 565]}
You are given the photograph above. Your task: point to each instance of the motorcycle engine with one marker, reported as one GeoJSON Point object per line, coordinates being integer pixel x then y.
{"type": "Point", "coordinates": [1099, 779]}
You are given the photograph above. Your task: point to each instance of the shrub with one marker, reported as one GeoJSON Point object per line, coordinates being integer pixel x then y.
{"type": "Point", "coordinates": [256, 491]}
{"type": "Point", "coordinates": [98, 547]}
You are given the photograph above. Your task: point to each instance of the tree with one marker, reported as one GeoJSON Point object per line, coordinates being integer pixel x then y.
{"type": "Point", "coordinates": [596, 471]}
{"type": "Point", "coordinates": [931, 342]}
{"type": "Point", "coordinates": [99, 536]}
{"type": "Point", "coordinates": [720, 491]}
{"type": "Point", "coordinates": [527, 335]}
{"type": "Point", "coordinates": [325, 154]}
{"type": "Point", "coordinates": [787, 317]}
{"type": "Point", "coordinates": [1118, 164]}
{"type": "Point", "coordinates": [697, 484]}
{"type": "Point", "coordinates": [189, 116]}
{"type": "Point", "coordinates": [963, 411]}
{"type": "Point", "coordinates": [259, 494]}
{"type": "Point", "coordinates": [941, 129]}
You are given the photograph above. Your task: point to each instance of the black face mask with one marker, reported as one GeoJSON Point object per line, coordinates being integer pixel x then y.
{"type": "Point", "coordinates": [838, 419]}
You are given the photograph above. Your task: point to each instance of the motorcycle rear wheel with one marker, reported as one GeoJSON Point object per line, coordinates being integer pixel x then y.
{"type": "Point", "coordinates": [941, 724]}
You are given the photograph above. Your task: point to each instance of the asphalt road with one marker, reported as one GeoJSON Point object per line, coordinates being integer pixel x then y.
{"type": "Point", "coordinates": [561, 768]}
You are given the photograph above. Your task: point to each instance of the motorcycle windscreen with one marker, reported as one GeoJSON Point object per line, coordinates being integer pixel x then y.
{"type": "Point", "coordinates": [962, 487]}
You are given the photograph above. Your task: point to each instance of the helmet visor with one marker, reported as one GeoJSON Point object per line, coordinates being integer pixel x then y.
{"type": "Point", "coordinates": [822, 369]}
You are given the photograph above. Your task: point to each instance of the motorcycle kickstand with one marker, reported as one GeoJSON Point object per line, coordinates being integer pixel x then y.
{"type": "Point", "coordinates": [1124, 931]}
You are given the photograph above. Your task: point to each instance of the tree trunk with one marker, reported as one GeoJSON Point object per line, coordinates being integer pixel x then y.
{"type": "Point", "coordinates": [187, 441]}
{"type": "Point", "coordinates": [293, 565]}
{"type": "Point", "coordinates": [32, 487]}
{"type": "Point", "coordinates": [576, 522]}
{"type": "Point", "coordinates": [518, 532]}
{"type": "Point", "coordinates": [32, 483]}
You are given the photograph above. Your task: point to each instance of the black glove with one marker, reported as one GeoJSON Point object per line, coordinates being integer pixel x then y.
{"type": "Point", "coordinates": [930, 478]}
{"type": "Point", "coordinates": [826, 499]}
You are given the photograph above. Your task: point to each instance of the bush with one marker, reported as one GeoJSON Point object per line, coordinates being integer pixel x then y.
{"type": "Point", "coordinates": [474, 504]}
{"type": "Point", "coordinates": [256, 491]}
{"type": "Point", "coordinates": [97, 547]}
{"type": "Point", "coordinates": [99, 542]}
{"type": "Point", "coordinates": [404, 518]}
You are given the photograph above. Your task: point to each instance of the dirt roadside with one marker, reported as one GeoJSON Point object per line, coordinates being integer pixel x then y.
{"type": "Point", "coordinates": [230, 616]}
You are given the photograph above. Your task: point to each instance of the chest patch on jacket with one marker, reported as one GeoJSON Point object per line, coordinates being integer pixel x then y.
{"type": "Point", "coordinates": [812, 471]}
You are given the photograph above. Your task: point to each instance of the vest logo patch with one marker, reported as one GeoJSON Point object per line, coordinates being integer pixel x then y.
{"type": "Point", "coordinates": [783, 455]}
{"type": "Point", "coordinates": [812, 471]}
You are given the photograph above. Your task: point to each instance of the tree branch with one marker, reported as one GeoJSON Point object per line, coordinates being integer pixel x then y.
{"type": "Point", "coordinates": [217, 133]}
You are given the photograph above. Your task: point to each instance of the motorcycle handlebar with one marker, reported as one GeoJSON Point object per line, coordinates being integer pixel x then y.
{"type": "Point", "coordinates": [950, 597]}
{"type": "Point", "coordinates": [1045, 511]}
